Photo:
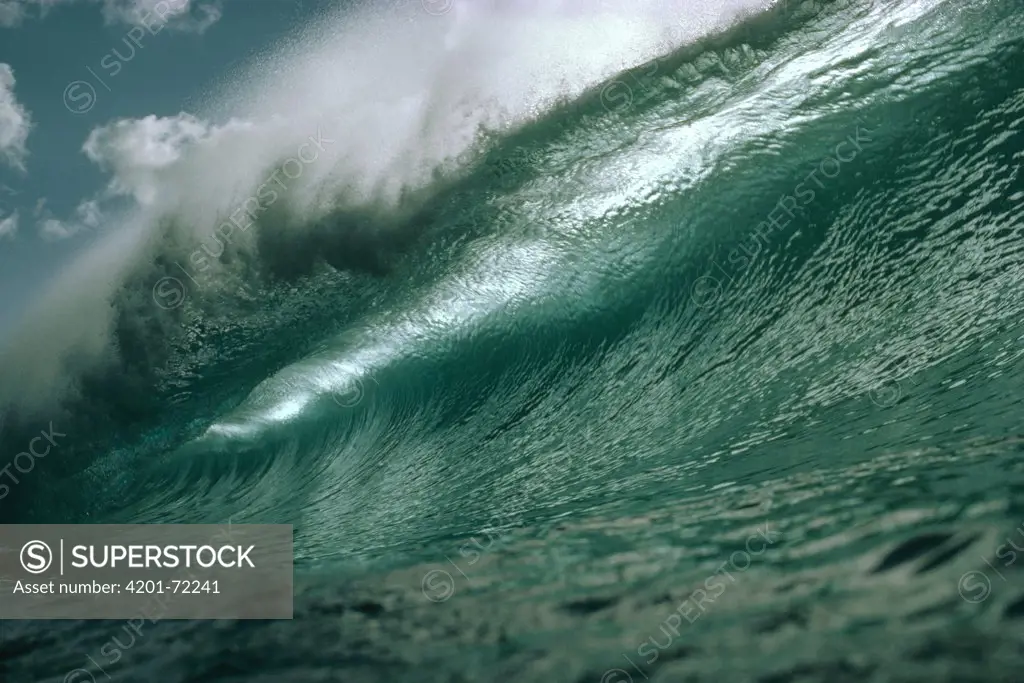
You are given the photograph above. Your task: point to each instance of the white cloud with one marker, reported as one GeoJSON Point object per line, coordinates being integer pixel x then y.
{"type": "Point", "coordinates": [11, 12]}
{"type": "Point", "coordinates": [152, 142]}
{"type": "Point", "coordinates": [14, 12]}
{"type": "Point", "coordinates": [53, 230]}
{"type": "Point", "coordinates": [135, 151]}
{"type": "Point", "coordinates": [9, 226]}
{"type": "Point", "coordinates": [14, 122]}
{"type": "Point", "coordinates": [87, 216]}
{"type": "Point", "coordinates": [143, 154]}
{"type": "Point", "coordinates": [183, 15]}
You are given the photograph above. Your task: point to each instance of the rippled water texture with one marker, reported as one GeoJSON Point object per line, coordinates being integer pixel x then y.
{"type": "Point", "coordinates": [709, 373]}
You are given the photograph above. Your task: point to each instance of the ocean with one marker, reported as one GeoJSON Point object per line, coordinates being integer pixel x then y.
{"type": "Point", "coordinates": [695, 360]}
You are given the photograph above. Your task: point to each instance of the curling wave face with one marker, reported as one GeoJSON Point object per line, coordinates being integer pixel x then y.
{"type": "Point", "coordinates": [631, 296]}
{"type": "Point", "coordinates": [676, 234]}
{"type": "Point", "coordinates": [326, 148]}
{"type": "Point", "coordinates": [233, 216]}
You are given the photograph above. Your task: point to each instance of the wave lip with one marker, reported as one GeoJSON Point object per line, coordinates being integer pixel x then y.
{"type": "Point", "coordinates": [402, 103]}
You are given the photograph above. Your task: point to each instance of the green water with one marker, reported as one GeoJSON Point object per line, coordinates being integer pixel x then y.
{"type": "Point", "coordinates": [711, 374]}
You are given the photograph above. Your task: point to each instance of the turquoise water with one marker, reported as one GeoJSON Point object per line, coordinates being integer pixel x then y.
{"type": "Point", "coordinates": [711, 372]}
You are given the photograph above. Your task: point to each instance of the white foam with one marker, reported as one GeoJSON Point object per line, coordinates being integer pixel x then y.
{"type": "Point", "coordinates": [400, 93]}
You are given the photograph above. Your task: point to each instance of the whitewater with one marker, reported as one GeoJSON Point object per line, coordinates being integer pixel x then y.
{"type": "Point", "coordinates": [605, 342]}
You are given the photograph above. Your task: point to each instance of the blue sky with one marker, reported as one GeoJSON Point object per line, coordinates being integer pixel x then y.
{"type": "Point", "coordinates": [68, 67]}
